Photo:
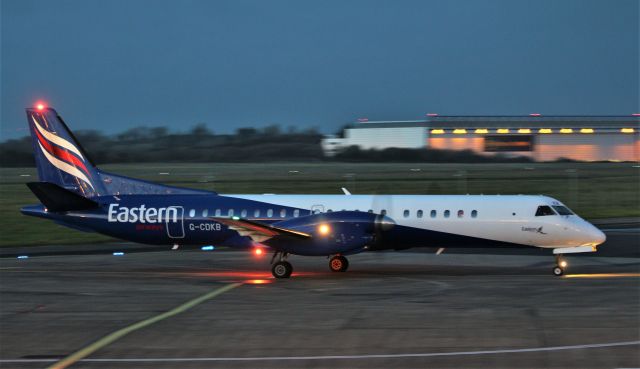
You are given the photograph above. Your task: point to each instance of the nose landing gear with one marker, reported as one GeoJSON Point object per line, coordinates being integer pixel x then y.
{"type": "Point", "coordinates": [560, 266]}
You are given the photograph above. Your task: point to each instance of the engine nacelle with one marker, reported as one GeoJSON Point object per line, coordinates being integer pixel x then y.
{"type": "Point", "coordinates": [338, 232]}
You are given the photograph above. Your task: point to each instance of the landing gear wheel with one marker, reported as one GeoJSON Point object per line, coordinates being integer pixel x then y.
{"type": "Point", "coordinates": [558, 269]}
{"type": "Point", "coordinates": [282, 269]}
{"type": "Point", "coordinates": [339, 263]}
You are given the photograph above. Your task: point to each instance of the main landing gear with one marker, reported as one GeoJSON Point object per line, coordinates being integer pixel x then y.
{"type": "Point", "coordinates": [282, 268]}
{"type": "Point", "coordinates": [561, 264]}
{"type": "Point", "coordinates": [338, 263]}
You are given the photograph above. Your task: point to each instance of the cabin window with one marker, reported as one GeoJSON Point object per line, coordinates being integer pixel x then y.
{"type": "Point", "coordinates": [256, 213]}
{"type": "Point", "coordinates": [205, 212]}
{"type": "Point", "coordinates": [243, 213]}
{"type": "Point", "coordinates": [544, 210]}
{"type": "Point", "coordinates": [419, 213]}
{"type": "Point", "coordinates": [192, 213]}
{"type": "Point", "coordinates": [283, 213]}
{"type": "Point", "coordinates": [296, 213]}
{"type": "Point", "coordinates": [563, 210]}
{"type": "Point", "coordinates": [406, 214]}
{"type": "Point", "coordinates": [329, 210]}
{"type": "Point", "coordinates": [218, 212]}
{"type": "Point", "coordinates": [460, 213]}
{"type": "Point", "coordinates": [447, 213]}
{"type": "Point", "coordinates": [474, 213]}
{"type": "Point", "coordinates": [270, 213]}
{"type": "Point", "coordinates": [370, 211]}
{"type": "Point", "coordinates": [383, 212]}
{"type": "Point", "coordinates": [230, 213]}
{"type": "Point", "coordinates": [433, 213]}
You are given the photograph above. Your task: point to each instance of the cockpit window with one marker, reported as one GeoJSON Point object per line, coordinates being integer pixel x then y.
{"type": "Point", "coordinates": [544, 210]}
{"type": "Point", "coordinates": [562, 210]}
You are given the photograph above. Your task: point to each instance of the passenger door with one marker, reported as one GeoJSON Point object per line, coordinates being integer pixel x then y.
{"type": "Point", "coordinates": [176, 229]}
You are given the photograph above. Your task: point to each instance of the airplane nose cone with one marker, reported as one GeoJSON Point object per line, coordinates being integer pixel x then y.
{"type": "Point", "coordinates": [600, 237]}
{"type": "Point", "coordinates": [597, 236]}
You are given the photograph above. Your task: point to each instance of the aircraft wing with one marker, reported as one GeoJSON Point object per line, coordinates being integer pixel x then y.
{"type": "Point", "coordinates": [259, 232]}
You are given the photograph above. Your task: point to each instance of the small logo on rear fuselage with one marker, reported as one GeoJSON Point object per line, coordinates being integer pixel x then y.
{"type": "Point", "coordinates": [533, 229]}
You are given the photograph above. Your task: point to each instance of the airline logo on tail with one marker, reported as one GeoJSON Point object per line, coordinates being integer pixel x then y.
{"type": "Point", "coordinates": [61, 153]}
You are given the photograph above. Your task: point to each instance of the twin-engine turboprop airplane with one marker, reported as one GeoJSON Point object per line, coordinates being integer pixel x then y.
{"type": "Point", "coordinates": [75, 193]}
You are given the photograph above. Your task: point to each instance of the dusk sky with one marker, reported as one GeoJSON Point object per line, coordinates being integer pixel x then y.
{"type": "Point", "coordinates": [112, 65]}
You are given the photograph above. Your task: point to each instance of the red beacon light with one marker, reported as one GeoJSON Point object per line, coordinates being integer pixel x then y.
{"type": "Point", "coordinates": [40, 106]}
{"type": "Point", "coordinates": [432, 114]}
{"type": "Point", "coordinates": [535, 115]}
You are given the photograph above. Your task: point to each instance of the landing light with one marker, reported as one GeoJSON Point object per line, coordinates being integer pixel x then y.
{"type": "Point", "coordinates": [258, 251]}
{"type": "Point", "coordinates": [324, 229]}
{"type": "Point", "coordinates": [563, 264]}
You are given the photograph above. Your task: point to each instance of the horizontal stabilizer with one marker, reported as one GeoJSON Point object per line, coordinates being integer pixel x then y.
{"type": "Point", "coordinates": [258, 232]}
{"type": "Point", "coordinates": [56, 198]}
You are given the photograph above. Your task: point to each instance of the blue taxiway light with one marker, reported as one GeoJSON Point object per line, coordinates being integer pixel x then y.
{"type": "Point", "coordinates": [207, 248]}
{"type": "Point", "coordinates": [23, 257]}
{"type": "Point", "coordinates": [118, 253]}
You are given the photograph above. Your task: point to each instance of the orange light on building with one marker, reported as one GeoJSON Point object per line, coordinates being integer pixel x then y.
{"type": "Point", "coordinates": [437, 131]}
{"type": "Point", "coordinates": [524, 130]}
{"type": "Point", "coordinates": [586, 130]}
{"type": "Point", "coordinates": [459, 131]}
{"type": "Point", "coordinates": [566, 130]}
{"type": "Point", "coordinates": [627, 130]}
{"type": "Point", "coordinates": [503, 130]}
{"type": "Point", "coordinates": [481, 131]}
{"type": "Point", "coordinates": [545, 130]}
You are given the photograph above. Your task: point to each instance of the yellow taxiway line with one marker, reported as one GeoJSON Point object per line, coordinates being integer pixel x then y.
{"type": "Point", "coordinates": [110, 338]}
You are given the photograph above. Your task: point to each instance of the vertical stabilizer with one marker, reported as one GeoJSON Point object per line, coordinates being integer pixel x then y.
{"type": "Point", "coordinates": [59, 157]}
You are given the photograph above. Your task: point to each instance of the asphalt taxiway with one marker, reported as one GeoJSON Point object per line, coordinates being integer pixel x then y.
{"type": "Point", "coordinates": [192, 309]}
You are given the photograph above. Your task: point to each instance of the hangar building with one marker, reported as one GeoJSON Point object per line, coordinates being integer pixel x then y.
{"type": "Point", "coordinates": [543, 138]}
